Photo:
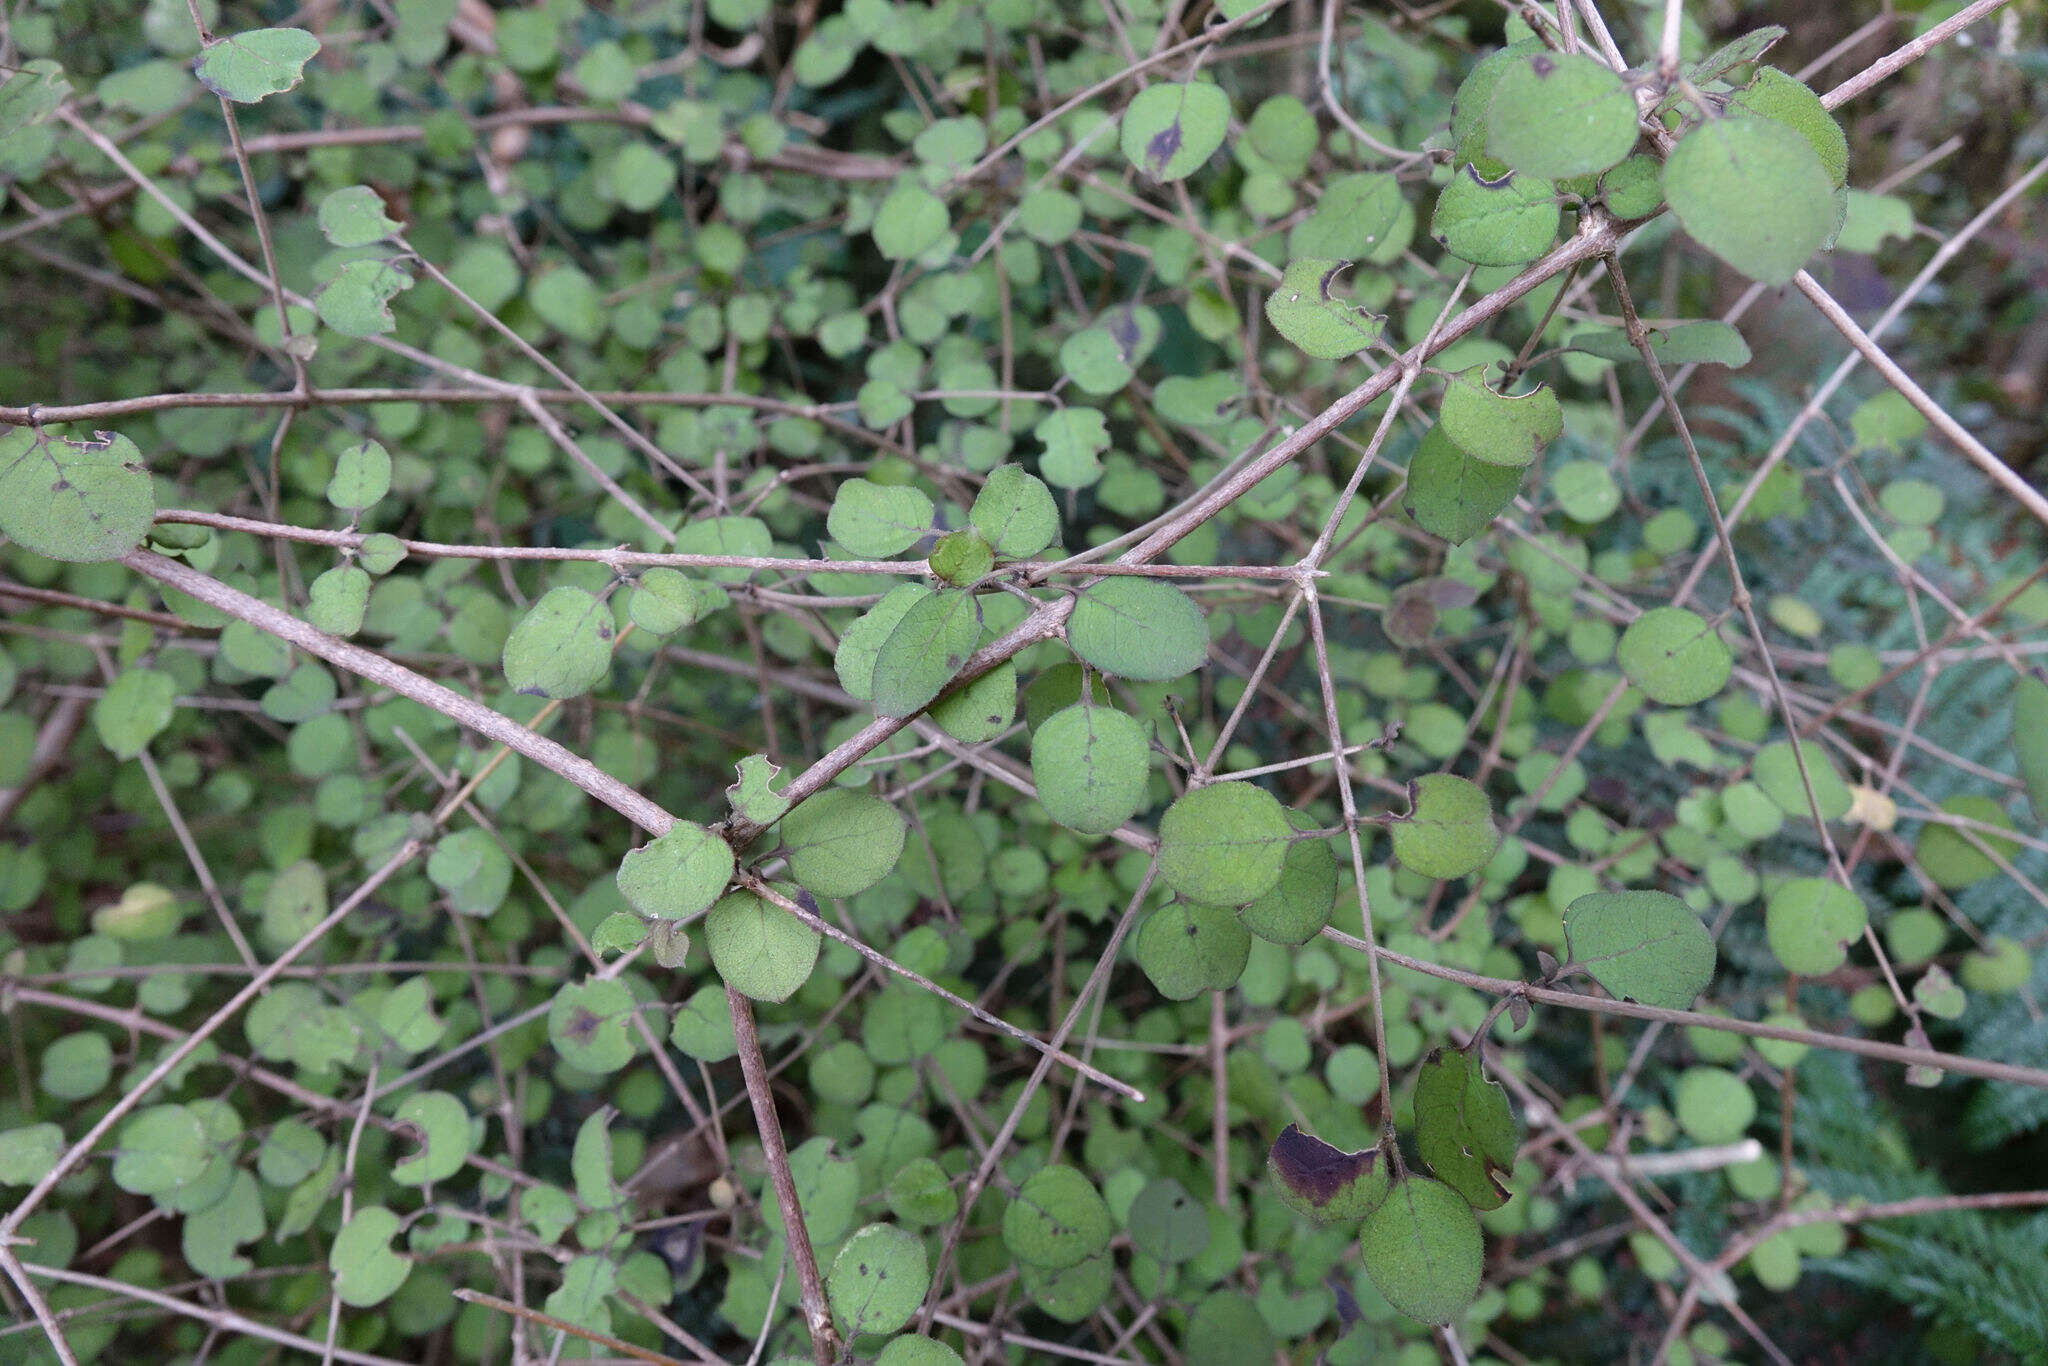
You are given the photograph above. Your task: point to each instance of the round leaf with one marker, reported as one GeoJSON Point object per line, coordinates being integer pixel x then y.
{"type": "Point", "coordinates": [246, 67]}
{"type": "Point", "coordinates": [842, 842]}
{"type": "Point", "coordinates": [1304, 308]}
{"type": "Point", "coordinates": [1224, 844]}
{"type": "Point", "coordinates": [1675, 656]}
{"type": "Point", "coordinates": [1647, 946]}
{"type": "Point", "coordinates": [761, 950]}
{"type": "Point", "coordinates": [1559, 115]}
{"type": "Point", "coordinates": [1187, 949]}
{"type": "Point", "coordinates": [561, 647]}
{"type": "Point", "coordinates": [1056, 1220]}
{"type": "Point", "coordinates": [1423, 1250]}
{"type": "Point", "coordinates": [1501, 222]}
{"type": "Point", "coordinates": [678, 874]}
{"type": "Point", "coordinates": [1138, 628]}
{"type": "Point", "coordinates": [926, 651]}
{"type": "Point", "coordinates": [1170, 130]}
{"type": "Point", "coordinates": [1015, 512]}
{"type": "Point", "coordinates": [878, 1280]}
{"type": "Point", "coordinates": [1449, 830]}
{"type": "Point", "coordinates": [76, 500]}
{"type": "Point", "coordinates": [1810, 922]}
{"type": "Point", "coordinates": [1090, 764]}
{"type": "Point", "coordinates": [1722, 175]}
{"type": "Point", "coordinates": [366, 1271]}
{"type": "Point", "coordinates": [875, 520]}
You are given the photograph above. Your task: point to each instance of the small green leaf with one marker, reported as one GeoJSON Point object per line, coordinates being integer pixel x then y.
{"type": "Point", "coordinates": [876, 520]}
{"type": "Point", "coordinates": [1777, 96]}
{"type": "Point", "coordinates": [1501, 222]}
{"type": "Point", "coordinates": [1452, 495]}
{"type": "Point", "coordinates": [1138, 628]}
{"type": "Point", "coordinates": [561, 648]}
{"type": "Point", "coordinates": [1056, 1220]}
{"type": "Point", "coordinates": [1721, 172]}
{"type": "Point", "coordinates": [753, 797]}
{"type": "Point", "coordinates": [1954, 859]}
{"type": "Point", "coordinates": [1464, 1129]}
{"type": "Point", "coordinates": [1187, 948]}
{"type": "Point", "coordinates": [926, 651]}
{"type": "Point", "coordinates": [1647, 946]}
{"type": "Point", "coordinates": [587, 1024]}
{"type": "Point", "coordinates": [843, 842]}
{"type": "Point", "coordinates": [366, 1271]}
{"type": "Point", "coordinates": [1711, 342]}
{"type": "Point", "coordinates": [1559, 115]}
{"type": "Point", "coordinates": [677, 874]}
{"type": "Point", "coordinates": [961, 558]}
{"type": "Point", "coordinates": [1299, 906]}
{"type": "Point", "coordinates": [1713, 1105]}
{"type": "Point", "coordinates": [702, 1027]}
{"type": "Point", "coordinates": [2030, 739]}
{"type": "Point", "coordinates": [249, 66]}
{"type": "Point", "coordinates": [442, 1125]}
{"type": "Point", "coordinates": [761, 950]}
{"type": "Point", "coordinates": [362, 475]}
{"type": "Point", "coordinates": [590, 1161]}
{"type": "Point", "coordinates": [31, 93]}
{"type": "Point", "coordinates": [356, 303]}
{"type": "Point", "coordinates": [1500, 429]}
{"type": "Point", "coordinates": [337, 601]}
{"type": "Point", "coordinates": [1168, 131]}
{"type": "Point", "coordinates": [1015, 513]}
{"type": "Point", "coordinates": [1811, 921]}
{"type": "Point", "coordinates": [75, 500]}
{"type": "Point", "coordinates": [982, 709]}
{"type": "Point", "coordinates": [920, 1192]}
{"type": "Point", "coordinates": [1167, 1223]}
{"type": "Point", "coordinates": [1423, 1250]}
{"type": "Point", "coordinates": [910, 222]}
{"type": "Point", "coordinates": [1072, 439]}
{"type": "Point", "coordinates": [1777, 772]}
{"type": "Point", "coordinates": [1675, 656]}
{"type": "Point", "coordinates": [1224, 844]}
{"type": "Point", "coordinates": [355, 217]}
{"type": "Point", "coordinates": [1304, 309]}
{"type": "Point", "coordinates": [1740, 52]}
{"type": "Point", "coordinates": [134, 710]}
{"type": "Point", "coordinates": [1448, 831]}
{"type": "Point", "coordinates": [1354, 220]}
{"type": "Point", "coordinates": [28, 1152]}
{"type": "Point", "coordinates": [1324, 1182]}
{"type": "Point", "coordinates": [878, 1280]}
{"type": "Point", "coordinates": [666, 600]}
{"type": "Point", "coordinates": [1090, 764]}
{"type": "Point", "coordinates": [159, 1148]}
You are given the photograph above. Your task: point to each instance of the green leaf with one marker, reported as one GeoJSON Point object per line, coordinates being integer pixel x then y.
{"type": "Point", "coordinates": [1777, 96]}
{"type": "Point", "coordinates": [1168, 131]}
{"type": "Point", "coordinates": [1187, 948]}
{"type": "Point", "coordinates": [1056, 1220]}
{"type": "Point", "coordinates": [1354, 220]}
{"type": "Point", "coordinates": [1497, 428]}
{"type": "Point", "coordinates": [666, 600]}
{"type": "Point", "coordinates": [356, 302]}
{"type": "Point", "coordinates": [337, 601]}
{"type": "Point", "coordinates": [678, 874]}
{"type": "Point", "coordinates": [134, 710]}
{"type": "Point", "coordinates": [2030, 739]}
{"type": "Point", "coordinates": [753, 797]}
{"type": "Point", "coordinates": [1721, 172]}
{"type": "Point", "coordinates": [75, 500]}
{"type": "Point", "coordinates": [442, 1125]}
{"type": "Point", "coordinates": [1072, 439]}
{"type": "Point", "coordinates": [910, 222]}
{"type": "Point", "coordinates": [1015, 513]}
{"type": "Point", "coordinates": [1675, 656]}
{"type": "Point", "coordinates": [921, 1193]}
{"type": "Point", "coordinates": [561, 648]}
{"type": "Point", "coordinates": [362, 476]}
{"type": "Point", "coordinates": [1647, 946]}
{"type": "Point", "coordinates": [1501, 222]}
{"type": "Point", "coordinates": [843, 842]}
{"type": "Point", "coordinates": [31, 93]}
{"type": "Point", "coordinates": [355, 217]}
{"type": "Point", "coordinates": [1299, 906]}
{"type": "Point", "coordinates": [570, 302]}
{"type": "Point", "coordinates": [1710, 342]}
{"type": "Point", "coordinates": [926, 651]}
{"type": "Point", "coordinates": [1090, 764]}
{"type": "Point", "coordinates": [1777, 772]}
{"type": "Point", "coordinates": [1167, 1223]}
{"type": "Point", "coordinates": [159, 1148]}
{"type": "Point", "coordinates": [1452, 495]}
{"type": "Point", "coordinates": [981, 710]}
{"type": "Point", "coordinates": [587, 1024]}
{"type": "Point", "coordinates": [1138, 628]}
{"type": "Point", "coordinates": [876, 520]}
{"type": "Point", "coordinates": [1713, 1105]}
{"type": "Point", "coordinates": [366, 1271]}
{"type": "Point", "coordinates": [878, 1280]}
{"type": "Point", "coordinates": [1954, 859]}
{"type": "Point", "coordinates": [407, 1018]}
{"type": "Point", "coordinates": [28, 1152]}
{"type": "Point", "coordinates": [1448, 831]}
{"type": "Point", "coordinates": [1224, 844]}
{"type": "Point", "coordinates": [1323, 1182]}
{"type": "Point", "coordinates": [1559, 115]}
{"type": "Point", "coordinates": [249, 66]}
{"type": "Point", "coordinates": [1748, 48]}
{"type": "Point", "coordinates": [1423, 1251]}
{"type": "Point", "coordinates": [702, 1027]}
{"type": "Point", "coordinates": [961, 558]}
{"type": "Point", "coordinates": [590, 1161]}
{"type": "Point", "coordinates": [1464, 1129]}
{"type": "Point", "coordinates": [761, 950]}
{"type": "Point", "coordinates": [1811, 921]}
{"type": "Point", "coordinates": [1303, 309]}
